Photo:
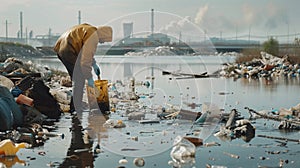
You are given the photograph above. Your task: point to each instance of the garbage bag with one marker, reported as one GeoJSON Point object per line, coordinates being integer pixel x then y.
{"type": "Point", "coordinates": [25, 83]}
{"type": "Point", "coordinates": [43, 100]}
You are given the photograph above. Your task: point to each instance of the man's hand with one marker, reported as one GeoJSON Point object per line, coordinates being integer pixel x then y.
{"type": "Point", "coordinates": [96, 69]}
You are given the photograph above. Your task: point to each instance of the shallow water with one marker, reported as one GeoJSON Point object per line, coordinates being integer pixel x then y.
{"type": "Point", "coordinates": [259, 94]}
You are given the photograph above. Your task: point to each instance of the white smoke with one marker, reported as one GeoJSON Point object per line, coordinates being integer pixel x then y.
{"type": "Point", "coordinates": [201, 14]}
{"type": "Point", "coordinates": [249, 14]}
{"type": "Point", "coordinates": [252, 15]}
{"type": "Point", "coordinates": [176, 26]}
{"type": "Point", "coordinates": [183, 29]}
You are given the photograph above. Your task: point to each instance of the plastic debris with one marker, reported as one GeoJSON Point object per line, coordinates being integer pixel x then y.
{"type": "Point", "coordinates": [4, 81]}
{"type": "Point", "coordinates": [183, 151]}
{"type": "Point", "coordinates": [195, 140]}
{"type": "Point", "coordinates": [236, 129]}
{"type": "Point", "coordinates": [136, 116]}
{"type": "Point", "coordinates": [215, 166]}
{"type": "Point", "coordinates": [111, 123]}
{"type": "Point", "coordinates": [123, 161]}
{"type": "Point", "coordinates": [232, 155]}
{"type": "Point", "coordinates": [9, 148]}
{"type": "Point", "coordinates": [139, 162]}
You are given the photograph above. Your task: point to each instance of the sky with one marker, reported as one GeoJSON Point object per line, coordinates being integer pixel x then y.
{"type": "Point", "coordinates": [214, 18]}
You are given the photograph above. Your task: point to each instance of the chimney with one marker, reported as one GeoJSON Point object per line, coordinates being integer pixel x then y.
{"type": "Point", "coordinates": [21, 25]}
{"type": "Point", "coordinates": [152, 21]}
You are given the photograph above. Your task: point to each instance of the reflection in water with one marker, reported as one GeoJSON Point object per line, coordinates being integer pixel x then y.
{"type": "Point", "coordinates": [268, 83]}
{"type": "Point", "coordinates": [95, 127]}
{"type": "Point", "coordinates": [76, 155]}
{"type": "Point", "coordinates": [128, 70]}
{"type": "Point", "coordinates": [10, 161]}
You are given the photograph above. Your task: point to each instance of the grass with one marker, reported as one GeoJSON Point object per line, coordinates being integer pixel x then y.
{"type": "Point", "coordinates": [248, 55]}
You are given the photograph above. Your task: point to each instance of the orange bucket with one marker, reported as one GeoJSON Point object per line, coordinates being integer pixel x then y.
{"type": "Point", "coordinates": [103, 98]}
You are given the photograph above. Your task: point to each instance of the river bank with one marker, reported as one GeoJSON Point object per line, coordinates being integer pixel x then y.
{"type": "Point", "coordinates": [21, 50]}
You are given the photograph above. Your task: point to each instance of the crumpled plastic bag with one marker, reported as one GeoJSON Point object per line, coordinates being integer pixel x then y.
{"type": "Point", "coordinates": [110, 123]}
{"type": "Point", "coordinates": [183, 152]}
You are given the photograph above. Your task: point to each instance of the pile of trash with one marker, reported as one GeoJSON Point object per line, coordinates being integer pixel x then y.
{"type": "Point", "coordinates": [158, 51]}
{"type": "Point", "coordinates": [267, 66]}
{"type": "Point", "coordinates": [28, 105]}
{"type": "Point", "coordinates": [236, 128]}
{"type": "Point", "coordinates": [289, 119]}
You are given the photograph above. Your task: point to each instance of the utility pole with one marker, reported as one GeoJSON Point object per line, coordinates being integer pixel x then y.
{"type": "Point", "coordinates": [49, 36]}
{"type": "Point", "coordinates": [26, 37]}
{"type": "Point", "coordinates": [288, 33]}
{"type": "Point", "coordinates": [21, 25]}
{"type": "Point", "coordinates": [236, 30]}
{"type": "Point", "coordinates": [152, 22]}
{"type": "Point", "coordinates": [179, 40]}
{"type": "Point", "coordinates": [249, 34]}
{"type": "Point", "coordinates": [79, 17]}
{"type": "Point", "coordinates": [6, 30]}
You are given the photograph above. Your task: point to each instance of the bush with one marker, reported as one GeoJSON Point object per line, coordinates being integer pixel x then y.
{"type": "Point", "coordinates": [271, 46]}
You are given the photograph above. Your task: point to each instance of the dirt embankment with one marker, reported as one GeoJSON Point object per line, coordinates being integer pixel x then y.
{"type": "Point", "coordinates": [20, 51]}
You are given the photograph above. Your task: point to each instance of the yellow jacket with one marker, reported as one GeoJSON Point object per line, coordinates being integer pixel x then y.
{"type": "Point", "coordinates": [80, 42]}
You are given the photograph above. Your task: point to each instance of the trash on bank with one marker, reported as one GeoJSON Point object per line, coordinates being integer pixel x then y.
{"type": "Point", "coordinates": [267, 66]}
{"type": "Point", "coordinates": [288, 118]}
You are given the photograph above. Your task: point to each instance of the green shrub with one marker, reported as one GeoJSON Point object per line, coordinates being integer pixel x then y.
{"type": "Point", "coordinates": [271, 46]}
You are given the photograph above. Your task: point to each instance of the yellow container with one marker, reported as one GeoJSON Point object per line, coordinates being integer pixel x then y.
{"type": "Point", "coordinates": [8, 148]}
{"type": "Point", "coordinates": [103, 98]}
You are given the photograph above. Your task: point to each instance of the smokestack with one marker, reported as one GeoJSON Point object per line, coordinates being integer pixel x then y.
{"type": "Point", "coordinates": [6, 31]}
{"type": "Point", "coordinates": [152, 21]}
{"type": "Point", "coordinates": [79, 17]}
{"type": "Point", "coordinates": [21, 25]}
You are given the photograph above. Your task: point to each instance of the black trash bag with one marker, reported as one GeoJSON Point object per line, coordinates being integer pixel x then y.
{"type": "Point", "coordinates": [10, 113]}
{"type": "Point", "coordinates": [25, 83]}
{"type": "Point", "coordinates": [43, 100]}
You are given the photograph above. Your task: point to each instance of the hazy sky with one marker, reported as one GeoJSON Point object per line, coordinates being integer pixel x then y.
{"type": "Point", "coordinates": [219, 18]}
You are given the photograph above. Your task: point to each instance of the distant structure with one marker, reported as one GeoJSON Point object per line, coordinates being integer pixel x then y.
{"type": "Point", "coordinates": [128, 30]}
